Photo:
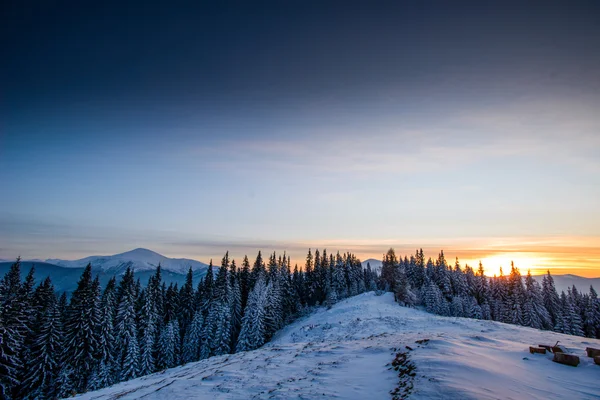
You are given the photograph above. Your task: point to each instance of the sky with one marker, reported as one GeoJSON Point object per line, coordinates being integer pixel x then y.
{"type": "Point", "coordinates": [193, 129]}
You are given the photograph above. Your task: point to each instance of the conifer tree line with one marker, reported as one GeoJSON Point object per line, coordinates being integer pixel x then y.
{"type": "Point", "coordinates": [54, 346]}
{"type": "Point", "coordinates": [462, 292]}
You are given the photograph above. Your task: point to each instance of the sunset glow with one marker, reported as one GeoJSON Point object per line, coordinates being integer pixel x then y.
{"type": "Point", "coordinates": [390, 129]}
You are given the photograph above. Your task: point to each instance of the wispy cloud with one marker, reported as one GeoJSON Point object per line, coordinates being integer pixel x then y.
{"type": "Point", "coordinates": [560, 130]}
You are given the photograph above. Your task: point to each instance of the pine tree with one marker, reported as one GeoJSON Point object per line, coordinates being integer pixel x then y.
{"type": "Point", "coordinates": [13, 329]}
{"type": "Point", "coordinates": [273, 309]}
{"type": "Point", "coordinates": [235, 306]}
{"type": "Point", "coordinates": [551, 299]}
{"type": "Point", "coordinates": [244, 282]}
{"type": "Point", "coordinates": [193, 339]}
{"type": "Point", "coordinates": [535, 314]}
{"type": "Point", "coordinates": [572, 317]}
{"type": "Point", "coordinates": [258, 268]}
{"type": "Point", "coordinates": [150, 324]}
{"type": "Point", "coordinates": [42, 372]}
{"type": "Point", "coordinates": [433, 299]}
{"type": "Point", "coordinates": [80, 330]}
{"type": "Point", "coordinates": [167, 346]}
{"type": "Point", "coordinates": [388, 270]}
{"type": "Point", "coordinates": [591, 323]}
{"type": "Point", "coordinates": [516, 297]}
{"type": "Point", "coordinates": [253, 332]}
{"type": "Point", "coordinates": [481, 290]}
{"type": "Point", "coordinates": [128, 356]}
{"type": "Point", "coordinates": [186, 302]}
{"type": "Point", "coordinates": [339, 280]}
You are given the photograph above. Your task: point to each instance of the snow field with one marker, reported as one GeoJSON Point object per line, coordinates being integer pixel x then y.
{"type": "Point", "coordinates": [345, 353]}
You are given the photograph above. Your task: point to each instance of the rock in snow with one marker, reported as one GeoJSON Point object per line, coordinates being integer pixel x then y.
{"type": "Point", "coordinates": [345, 353]}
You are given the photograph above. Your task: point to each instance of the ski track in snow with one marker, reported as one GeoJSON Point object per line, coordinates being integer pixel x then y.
{"type": "Point", "coordinates": [345, 353]}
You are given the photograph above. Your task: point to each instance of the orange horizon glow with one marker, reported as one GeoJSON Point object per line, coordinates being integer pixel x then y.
{"type": "Point", "coordinates": [561, 255]}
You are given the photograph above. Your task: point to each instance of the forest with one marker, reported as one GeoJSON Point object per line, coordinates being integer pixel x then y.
{"type": "Point", "coordinates": [56, 346]}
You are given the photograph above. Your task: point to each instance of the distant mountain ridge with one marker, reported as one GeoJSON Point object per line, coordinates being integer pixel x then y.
{"type": "Point", "coordinates": [373, 263]}
{"type": "Point", "coordinates": [139, 259]}
{"type": "Point", "coordinates": [66, 273]}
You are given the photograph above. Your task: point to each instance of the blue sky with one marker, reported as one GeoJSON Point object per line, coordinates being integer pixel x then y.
{"type": "Point", "coordinates": [191, 132]}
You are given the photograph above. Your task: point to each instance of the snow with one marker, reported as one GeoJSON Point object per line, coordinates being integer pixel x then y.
{"type": "Point", "coordinates": [139, 259]}
{"type": "Point", "coordinates": [562, 282]}
{"type": "Point", "coordinates": [375, 264]}
{"type": "Point", "coordinates": [345, 353]}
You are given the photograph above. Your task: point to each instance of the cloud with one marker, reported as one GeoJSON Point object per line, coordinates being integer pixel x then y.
{"type": "Point", "coordinates": [557, 130]}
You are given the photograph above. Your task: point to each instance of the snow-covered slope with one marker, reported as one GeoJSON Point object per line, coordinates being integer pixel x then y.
{"type": "Point", "coordinates": [345, 353]}
{"type": "Point", "coordinates": [138, 259]}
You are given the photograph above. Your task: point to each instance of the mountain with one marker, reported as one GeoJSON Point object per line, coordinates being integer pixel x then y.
{"type": "Point", "coordinates": [375, 264]}
{"type": "Point", "coordinates": [138, 259]}
{"type": "Point", "coordinates": [346, 352]}
{"type": "Point", "coordinates": [562, 282]}
{"type": "Point", "coordinates": [65, 274]}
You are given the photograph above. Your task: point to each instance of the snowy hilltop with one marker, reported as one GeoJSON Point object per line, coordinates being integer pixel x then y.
{"type": "Point", "coordinates": [347, 352]}
{"type": "Point", "coordinates": [137, 259]}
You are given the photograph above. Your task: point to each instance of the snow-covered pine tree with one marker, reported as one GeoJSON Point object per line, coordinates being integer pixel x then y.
{"type": "Point", "coordinates": [128, 352]}
{"type": "Point", "coordinates": [223, 338]}
{"type": "Point", "coordinates": [44, 357]}
{"type": "Point", "coordinates": [244, 280]}
{"type": "Point", "coordinates": [273, 309]}
{"type": "Point", "coordinates": [402, 290]}
{"type": "Point", "coordinates": [516, 297]}
{"type": "Point", "coordinates": [149, 325]}
{"type": "Point", "coordinates": [185, 302]}
{"type": "Point", "coordinates": [81, 329]}
{"type": "Point", "coordinates": [481, 286]}
{"type": "Point", "coordinates": [317, 289]}
{"type": "Point", "coordinates": [551, 300]}
{"type": "Point", "coordinates": [572, 316]}
{"type": "Point", "coordinates": [258, 268]}
{"type": "Point", "coordinates": [13, 330]}
{"type": "Point", "coordinates": [323, 277]}
{"type": "Point", "coordinates": [193, 339]}
{"type": "Point", "coordinates": [234, 300]}
{"type": "Point", "coordinates": [591, 323]}
{"type": "Point", "coordinates": [535, 314]}
{"type": "Point", "coordinates": [253, 332]}
{"type": "Point", "coordinates": [30, 314]}
{"type": "Point", "coordinates": [290, 300]}
{"type": "Point", "coordinates": [339, 279]}
{"type": "Point", "coordinates": [309, 285]}
{"type": "Point", "coordinates": [457, 307]}
{"type": "Point", "coordinates": [432, 298]}
{"type": "Point", "coordinates": [167, 347]}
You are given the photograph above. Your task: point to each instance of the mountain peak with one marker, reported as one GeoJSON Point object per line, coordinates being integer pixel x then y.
{"type": "Point", "coordinates": [140, 259]}
{"type": "Point", "coordinates": [140, 252]}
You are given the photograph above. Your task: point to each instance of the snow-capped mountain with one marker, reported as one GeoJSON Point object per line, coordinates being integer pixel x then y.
{"type": "Point", "coordinates": [347, 353]}
{"type": "Point", "coordinates": [375, 264]}
{"type": "Point", "coordinates": [138, 259]}
{"type": "Point", "coordinates": [562, 282]}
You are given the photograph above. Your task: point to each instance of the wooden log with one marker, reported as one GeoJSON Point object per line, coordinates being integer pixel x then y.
{"type": "Point", "coordinates": [597, 360]}
{"type": "Point", "coordinates": [592, 352]}
{"type": "Point", "coordinates": [538, 350]}
{"type": "Point", "coordinates": [567, 359]}
{"type": "Point", "coordinates": [546, 346]}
